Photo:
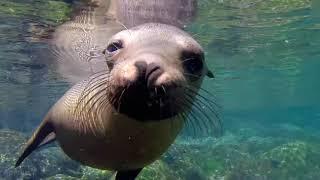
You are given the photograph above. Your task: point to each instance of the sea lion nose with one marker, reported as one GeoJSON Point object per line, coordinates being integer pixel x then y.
{"type": "Point", "coordinates": [148, 73]}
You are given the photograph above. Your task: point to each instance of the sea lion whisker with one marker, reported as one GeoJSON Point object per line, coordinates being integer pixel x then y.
{"type": "Point", "coordinates": [189, 124]}
{"type": "Point", "coordinates": [164, 89]}
{"type": "Point", "coordinates": [184, 113]}
{"type": "Point", "coordinates": [91, 125]}
{"type": "Point", "coordinates": [172, 125]}
{"type": "Point", "coordinates": [93, 84]}
{"type": "Point", "coordinates": [210, 108]}
{"type": "Point", "coordinates": [183, 117]}
{"type": "Point", "coordinates": [94, 79]}
{"type": "Point", "coordinates": [185, 104]}
{"type": "Point", "coordinates": [123, 26]}
{"type": "Point", "coordinates": [182, 105]}
{"type": "Point", "coordinates": [203, 100]}
{"type": "Point", "coordinates": [195, 121]}
{"type": "Point", "coordinates": [188, 59]}
{"type": "Point", "coordinates": [189, 88]}
{"type": "Point", "coordinates": [88, 92]}
{"type": "Point", "coordinates": [96, 112]}
{"type": "Point", "coordinates": [98, 85]}
{"type": "Point", "coordinates": [197, 34]}
{"type": "Point", "coordinates": [105, 103]}
{"type": "Point", "coordinates": [196, 107]}
{"type": "Point", "coordinates": [191, 75]}
{"type": "Point", "coordinates": [209, 121]}
{"type": "Point", "coordinates": [90, 116]}
{"type": "Point", "coordinates": [97, 99]}
{"type": "Point", "coordinates": [119, 100]}
{"type": "Point", "coordinates": [99, 75]}
{"type": "Point", "coordinates": [155, 90]}
{"type": "Point", "coordinates": [113, 99]}
{"type": "Point", "coordinates": [207, 92]}
{"type": "Point", "coordinates": [83, 97]}
{"type": "Point", "coordinates": [194, 127]}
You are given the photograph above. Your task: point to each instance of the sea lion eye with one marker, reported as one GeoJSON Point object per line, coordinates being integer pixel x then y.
{"type": "Point", "coordinates": [192, 62]}
{"type": "Point", "coordinates": [114, 46]}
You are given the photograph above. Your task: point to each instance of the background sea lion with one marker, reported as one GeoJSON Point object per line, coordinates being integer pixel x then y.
{"type": "Point", "coordinates": [78, 44]}
{"type": "Point", "coordinates": [126, 114]}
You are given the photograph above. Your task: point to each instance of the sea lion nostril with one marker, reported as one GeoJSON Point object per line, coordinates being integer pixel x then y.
{"type": "Point", "coordinates": [151, 79]}
{"type": "Point", "coordinates": [152, 74]}
{"type": "Point", "coordinates": [148, 74]}
{"type": "Point", "coordinates": [151, 68]}
{"type": "Point", "coordinates": [142, 68]}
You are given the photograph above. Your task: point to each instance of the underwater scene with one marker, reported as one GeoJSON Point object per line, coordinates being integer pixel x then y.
{"type": "Point", "coordinates": [258, 118]}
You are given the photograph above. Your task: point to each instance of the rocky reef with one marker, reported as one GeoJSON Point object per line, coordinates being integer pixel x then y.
{"type": "Point", "coordinates": [232, 157]}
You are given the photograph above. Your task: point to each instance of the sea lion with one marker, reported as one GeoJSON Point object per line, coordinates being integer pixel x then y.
{"type": "Point", "coordinates": [125, 116]}
{"type": "Point", "coordinates": [78, 43]}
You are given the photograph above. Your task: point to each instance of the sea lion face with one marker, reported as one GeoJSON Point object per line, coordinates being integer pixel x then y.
{"type": "Point", "coordinates": [151, 68]}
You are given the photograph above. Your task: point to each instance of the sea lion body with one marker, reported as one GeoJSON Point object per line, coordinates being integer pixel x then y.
{"type": "Point", "coordinates": [113, 141]}
{"type": "Point", "coordinates": [136, 86]}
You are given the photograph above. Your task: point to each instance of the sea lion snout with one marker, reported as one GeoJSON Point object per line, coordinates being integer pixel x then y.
{"type": "Point", "coordinates": [148, 73]}
{"type": "Point", "coordinates": [148, 93]}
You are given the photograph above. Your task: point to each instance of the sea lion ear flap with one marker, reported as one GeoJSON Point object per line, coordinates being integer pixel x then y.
{"type": "Point", "coordinates": [210, 74]}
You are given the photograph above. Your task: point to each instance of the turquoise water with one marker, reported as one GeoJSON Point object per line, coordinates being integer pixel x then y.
{"type": "Point", "coordinates": [266, 63]}
{"type": "Point", "coordinates": [265, 58]}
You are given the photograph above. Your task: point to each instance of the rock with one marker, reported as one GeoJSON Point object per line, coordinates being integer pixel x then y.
{"type": "Point", "coordinates": [294, 160]}
{"type": "Point", "coordinates": [61, 177]}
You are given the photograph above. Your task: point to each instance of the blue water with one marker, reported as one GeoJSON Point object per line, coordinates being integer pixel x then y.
{"type": "Point", "coordinates": [264, 55]}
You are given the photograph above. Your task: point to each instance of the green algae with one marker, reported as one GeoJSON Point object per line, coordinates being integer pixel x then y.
{"type": "Point", "coordinates": [89, 173]}
{"type": "Point", "coordinates": [157, 170]}
{"type": "Point", "coordinates": [49, 11]}
{"type": "Point", "coordinates": [289, 156]}
{"type": "Point", "coordinates": [294, 160]}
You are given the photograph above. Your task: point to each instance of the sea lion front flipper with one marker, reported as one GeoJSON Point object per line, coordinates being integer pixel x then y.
{"type": "Point", "coordinates": [128, 175]}
{"type": "Point", "coordinates": [43, 135]}
{"type": "Point", "coordinates": [49, 139]}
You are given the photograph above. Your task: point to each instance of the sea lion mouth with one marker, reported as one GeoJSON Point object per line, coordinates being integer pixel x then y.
{"type": "Point", "coordinates": [143, 103]}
